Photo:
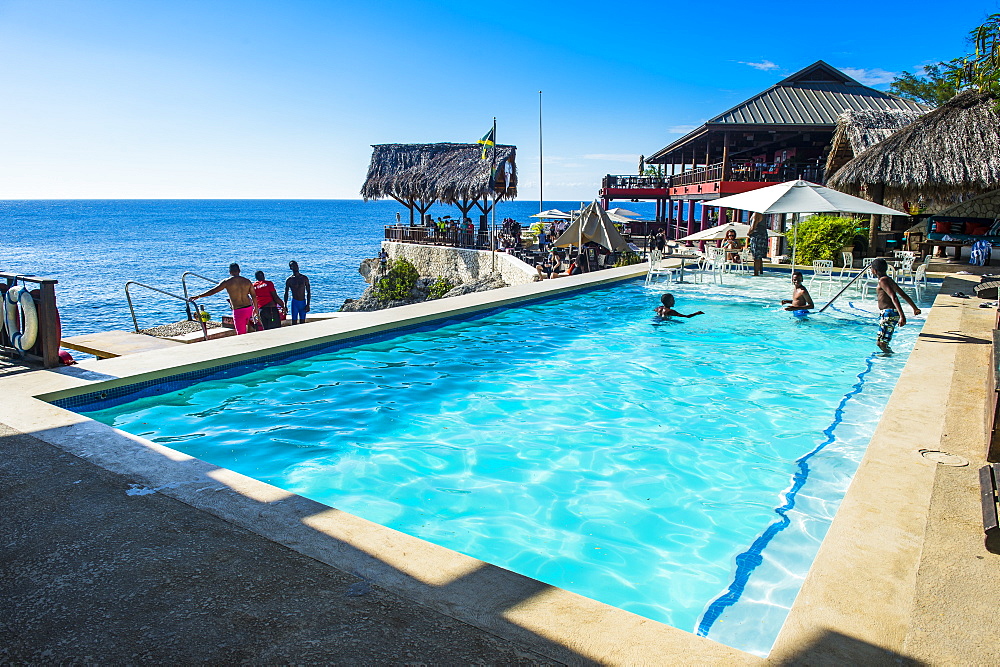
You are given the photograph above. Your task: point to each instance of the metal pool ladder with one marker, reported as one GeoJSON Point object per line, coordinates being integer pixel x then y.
{"type": "Point", "coordinates": [188, 302]}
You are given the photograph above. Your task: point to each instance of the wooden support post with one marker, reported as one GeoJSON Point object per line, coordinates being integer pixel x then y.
{"type": "Point", "coordinates": [690, 218]}
{"type": "Point", "coordinates": [877, 192]}
{"type": "Point", "coordinates": [704, 217]}
{"type": "Point", "coordinates": [725, 160]}
{"type": "Point", "coordinates": [723, 216]}
{"type": "Point", "coordinates": [48, 324]}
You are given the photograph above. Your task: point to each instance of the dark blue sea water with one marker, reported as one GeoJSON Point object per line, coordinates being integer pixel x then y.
{"type": "Point", "coordinates": [93, 247]}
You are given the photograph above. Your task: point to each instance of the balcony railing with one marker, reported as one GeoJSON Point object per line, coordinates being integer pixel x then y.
{"type": "Point", "coordinates": [743, 171]}
{"type": "Point", "coordinates": [634, 182]}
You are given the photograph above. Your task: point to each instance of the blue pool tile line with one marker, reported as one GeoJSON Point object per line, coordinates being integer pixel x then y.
{"type": "Point", "coordinates": [115, 396]}
{"type": "Point", "coordinates": [749, 560]}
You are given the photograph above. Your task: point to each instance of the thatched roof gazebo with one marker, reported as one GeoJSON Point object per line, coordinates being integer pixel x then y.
{"type": "Point", "coordinates": [417, 175]}
{"type": "Point", "coordinates": [945, 156]}
{"type": "Point", "coordinates": [860, 129]}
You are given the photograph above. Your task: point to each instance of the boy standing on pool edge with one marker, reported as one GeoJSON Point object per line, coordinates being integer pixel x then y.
{"type": "Point", "coordinates": [890, 312]}
{"type": "Point", "coordinates": [298, 284]}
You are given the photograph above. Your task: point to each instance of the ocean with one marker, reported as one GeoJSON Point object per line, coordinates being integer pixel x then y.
{"type": "Point", "coordinates": [93, 247]}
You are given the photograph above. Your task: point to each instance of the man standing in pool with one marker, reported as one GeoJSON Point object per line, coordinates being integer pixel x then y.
{"type": "Point", "coordinates": [298, 284]}
{"type": "Point", "coordinates": [801, 302]}
{"type": "Point", "coordinates": [242, 297]}
{"type": "Point", "coordinates": [757, 241]}
{"type": "Point", "coordinates": [890, 312]}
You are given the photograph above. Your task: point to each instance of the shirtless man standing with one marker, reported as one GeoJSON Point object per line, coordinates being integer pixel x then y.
{"type": "Point", "coordinates": [801, 302]}
{"type": "Point", "coordinates": [241, 296]}
{"type": "Point", "coordinates": [890, 312]}
{"type": "Point", "coordinates": [298, 284]}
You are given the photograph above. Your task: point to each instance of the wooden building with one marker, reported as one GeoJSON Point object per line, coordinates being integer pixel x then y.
{"type": "Point", "coordinates": [781, 134]}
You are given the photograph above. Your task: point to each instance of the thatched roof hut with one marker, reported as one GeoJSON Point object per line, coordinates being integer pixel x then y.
{"type": "Point", "coordinates": [448, 173]}
{"type": "Point", "coordinates": [860, 129]}
{"type": "Point", "coordinates": [946, 155]}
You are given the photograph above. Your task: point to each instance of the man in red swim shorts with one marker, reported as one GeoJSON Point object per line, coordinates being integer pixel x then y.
{"type": "Point", "coordinates": [241, 296]}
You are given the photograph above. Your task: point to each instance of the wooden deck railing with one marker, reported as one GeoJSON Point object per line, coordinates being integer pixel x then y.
{"type": "Point", "coordinates": [430, 236]}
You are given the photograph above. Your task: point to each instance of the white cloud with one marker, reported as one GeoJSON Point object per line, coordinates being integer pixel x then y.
{"type": "Point", "coordinates": [764, 65]}
{"type": "Point", "coordinates": [681, 129]}
{"type": "Point", "coordinates": [612, 157]}
{"type": "Point", "coordinates": [869, 77]}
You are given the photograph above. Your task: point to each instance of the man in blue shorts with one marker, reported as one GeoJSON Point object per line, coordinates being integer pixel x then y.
{"type": "Point", "coordinates": [298, 285]}
{"type": "Point", "coordinates": [890, 312]}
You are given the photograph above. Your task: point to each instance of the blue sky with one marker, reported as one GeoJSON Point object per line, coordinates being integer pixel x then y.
{"type": "Point", "coordinates": [282, 99]}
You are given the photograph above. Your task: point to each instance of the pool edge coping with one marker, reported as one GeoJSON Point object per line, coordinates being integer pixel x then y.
{"type": "Point", "coordinates": [554, 622]}
{"type": "Point", "coordinates": [586, 629]}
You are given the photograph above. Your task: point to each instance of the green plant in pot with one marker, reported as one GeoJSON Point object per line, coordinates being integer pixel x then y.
{"type": "Point", "coordinates": [823, 237]}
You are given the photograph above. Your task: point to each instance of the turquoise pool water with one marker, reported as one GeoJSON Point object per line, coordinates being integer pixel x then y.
{"type": "Point", "coordinates": [685, 471]}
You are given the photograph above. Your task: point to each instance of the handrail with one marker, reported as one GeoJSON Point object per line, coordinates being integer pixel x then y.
{"type": "Point", "coordinates": [185, 288]}
{"type": "Point", "coordinates": [135, 322]}
{"type": "Point", "coordinates": [861, 273]}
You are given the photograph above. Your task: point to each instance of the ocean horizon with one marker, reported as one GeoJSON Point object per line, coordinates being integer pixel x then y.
{"type": "Point", "coordinates": [94, 246]}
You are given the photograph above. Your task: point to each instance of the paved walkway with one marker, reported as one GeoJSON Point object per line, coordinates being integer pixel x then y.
{"type": "Point", "coordinates": [91, 574]}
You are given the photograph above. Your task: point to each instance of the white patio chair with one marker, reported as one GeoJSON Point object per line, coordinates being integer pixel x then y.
{"type": "Point", "coordinates": [906, 259]}
{"type": "Point", "coordinates": [847, 259]}
{"type": "Point", "coordinates": [657, 268]}
{"type": "Point", "coordinates": [822, 272]}
{"type": "Point", "coordinates": [870, 281]}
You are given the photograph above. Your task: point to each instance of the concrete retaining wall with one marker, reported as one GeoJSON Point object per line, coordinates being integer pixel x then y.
{"type": "Point", "coordinates": [460, 265]}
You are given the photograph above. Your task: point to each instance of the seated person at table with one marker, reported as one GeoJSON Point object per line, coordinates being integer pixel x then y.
{"type": "Point", "coordinates": [731, 245]}
{"type": "Point", "coordinates": [551, 267]}
{"type": "Point", "coordinates": [801, 301]}
{"type": "Point", "coordinates": [667, 308]}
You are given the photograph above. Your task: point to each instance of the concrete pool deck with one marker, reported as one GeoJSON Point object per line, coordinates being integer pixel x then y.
{"type": "Point", "coordinates": [875, 592]}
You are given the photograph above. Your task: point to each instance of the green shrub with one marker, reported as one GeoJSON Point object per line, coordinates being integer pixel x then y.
{"type": "Point", "coordinates": [439, 288]}
{"type": "Point", "coordinates": [400, 277]}
{"type": "Point", "coordinates": [628, 258]}
{"type": "Point", "coordinates": [822, 237]}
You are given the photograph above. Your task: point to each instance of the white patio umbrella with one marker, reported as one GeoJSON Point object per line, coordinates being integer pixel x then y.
{"type": "Point", "coordinates": [800, 197]}
{"type": "Point", "coordinates": [719, 232]}
{"type": "Point", "coordinates": [623, 212]}
{"type": "Point", "coordinates": [553, 214]}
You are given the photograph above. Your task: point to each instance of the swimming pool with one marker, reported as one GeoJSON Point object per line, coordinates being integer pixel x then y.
{"type": "Point", "coordinates": [685, 471]}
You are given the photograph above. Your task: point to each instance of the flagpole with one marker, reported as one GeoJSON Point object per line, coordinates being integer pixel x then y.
{"type": "Point", "coordinates": [493, 186]}
{"type": "Point", "coordinates": [541, 180]}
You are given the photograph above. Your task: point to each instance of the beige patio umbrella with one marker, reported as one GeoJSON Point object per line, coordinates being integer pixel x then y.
{"type": "Point", "coordinates": [719, 232]}
{"type": "Point", "coordinates": [593, 224]}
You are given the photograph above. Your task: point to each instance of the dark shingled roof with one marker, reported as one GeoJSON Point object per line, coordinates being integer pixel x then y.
{"type": "Point", "coordinates": [812, 98]}
{"type": "Point", "coordinates": [815, 95]}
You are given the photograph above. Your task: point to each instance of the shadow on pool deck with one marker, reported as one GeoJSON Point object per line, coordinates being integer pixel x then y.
{"type": "Point", "coordinates": [92, 574]}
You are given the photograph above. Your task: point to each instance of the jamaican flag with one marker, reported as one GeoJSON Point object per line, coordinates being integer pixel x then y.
{"type": "Point", "coordinates": [489, 139]}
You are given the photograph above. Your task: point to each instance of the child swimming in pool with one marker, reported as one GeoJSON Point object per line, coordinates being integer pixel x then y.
{"type": "Point", "coordinates": [667, 309]}
{"type": "Point", "coordinates": [801, 302]}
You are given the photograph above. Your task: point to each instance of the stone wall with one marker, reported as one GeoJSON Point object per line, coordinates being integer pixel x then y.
{"type": "Point", "coordinates": [460, 265]}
